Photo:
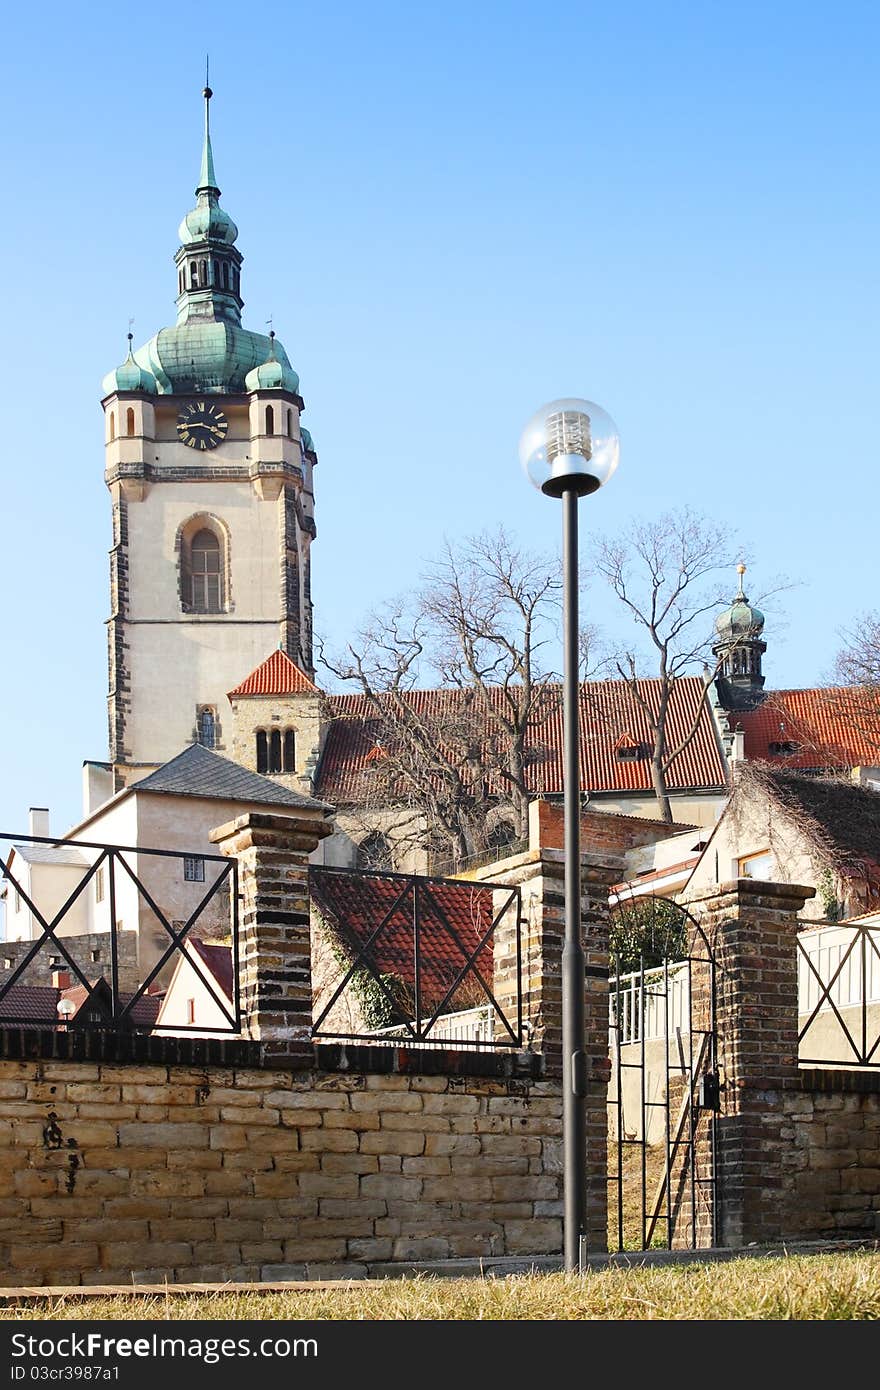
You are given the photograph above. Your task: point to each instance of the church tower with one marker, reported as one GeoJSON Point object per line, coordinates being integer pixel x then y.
{"type": "Point", "coordinates": [738, 649]}
{"type": "Point", "coordinates": [210, 475]}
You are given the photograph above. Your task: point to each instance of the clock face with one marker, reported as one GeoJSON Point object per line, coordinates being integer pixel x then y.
{"type": "Point", "coordinates": [201, 425]}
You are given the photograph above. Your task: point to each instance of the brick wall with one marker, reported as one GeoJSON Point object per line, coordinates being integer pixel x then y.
{"type": "Point", "coordinates": [831, 1166]}
{"type": "Point", "coordinates": [601, 832]}
{"type": "Point", "coordinates": [154, 1172]}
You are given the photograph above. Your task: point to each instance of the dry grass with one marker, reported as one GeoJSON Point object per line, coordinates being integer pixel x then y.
{"type": "Point", "coordinates": [812, 1287]}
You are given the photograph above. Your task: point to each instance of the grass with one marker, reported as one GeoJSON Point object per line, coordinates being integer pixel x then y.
{"type": "Point", "coordinates": [804, 1287]}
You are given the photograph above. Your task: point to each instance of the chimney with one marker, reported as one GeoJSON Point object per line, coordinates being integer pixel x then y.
{"type": "Point", "coordinates": [38, 817]}
{"type": "Point", "coordinates": [61, 979]}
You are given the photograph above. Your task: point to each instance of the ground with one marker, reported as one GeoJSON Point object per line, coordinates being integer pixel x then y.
{"type": "Point", "coordinates": [811, 1287]}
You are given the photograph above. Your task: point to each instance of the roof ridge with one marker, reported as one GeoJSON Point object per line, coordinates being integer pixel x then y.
{"type": "Point", "coordinates": [278, 674]}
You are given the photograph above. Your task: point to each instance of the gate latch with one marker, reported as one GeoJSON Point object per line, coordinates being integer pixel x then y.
{"type": "Point", "coordinates": [709, 1091]}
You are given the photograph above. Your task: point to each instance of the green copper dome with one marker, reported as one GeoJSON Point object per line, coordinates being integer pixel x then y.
{"type": "Point", "coordinates": [207, 221]}
{"type": "Point", "coordinates": [307, 441]}
{"type": "Point", "coordinates": [272, 375]}
{"type": "Point", "coordinates": [131, 376]}
{"type": "Point", "coordinates": [210, 355]}
{"type": "Point", "coordinates": [740, 619]}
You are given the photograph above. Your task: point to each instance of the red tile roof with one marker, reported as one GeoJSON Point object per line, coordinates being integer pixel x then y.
{"type": "Point", "coordinates": [609, 717]}
{"type": "Point", "coordinates": [355, 904]}
{"type": "Point", "coordinates": [38, 1005]}
{"type": "Point", "coordinates": [817, 722]}
{"type": "Point", "coordinates": [218, 962]}
{"type": "Point", "coordinates": [277, 675]}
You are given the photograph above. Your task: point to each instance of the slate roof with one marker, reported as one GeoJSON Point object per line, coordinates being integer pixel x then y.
{"type": "Point", "coordinates": [826, 732]}
{"type": "Point", "coordinates": [197, 771]}
{"type": "Point", "coordinates": [52, 854]}
{"type": "Point", "coordinates": [37, 1005]}
{"type": "Point", "coordinates": [277, 675]}
{"type": "Point", "coordinates": [610, 716]}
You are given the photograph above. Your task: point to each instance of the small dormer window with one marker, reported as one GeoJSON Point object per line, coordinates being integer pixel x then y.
{"type": "Point", "coordinates": [783, 748]}
{"type": "Point", "coordinates": [631, 752]}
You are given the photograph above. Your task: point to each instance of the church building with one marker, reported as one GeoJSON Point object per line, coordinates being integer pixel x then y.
{"type": "Point", "coordinates": [210, 474]}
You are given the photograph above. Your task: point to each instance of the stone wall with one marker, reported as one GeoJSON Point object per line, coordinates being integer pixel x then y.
{"type": "Point", "coordinates": [90, 950]}
{"type": "Point", "coordinates": [831, 1166]}
{"type": "Point", "coordinates": [116, 1172]}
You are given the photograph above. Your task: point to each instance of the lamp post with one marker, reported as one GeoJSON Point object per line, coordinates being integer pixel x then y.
{"type": "Point", "coordinates": [568, 449]}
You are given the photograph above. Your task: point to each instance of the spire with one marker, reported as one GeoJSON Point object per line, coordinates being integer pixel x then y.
{"type": "Point", "coordinates": [207, 177]}
{"type": "Point", "coordinates": [740, 569]}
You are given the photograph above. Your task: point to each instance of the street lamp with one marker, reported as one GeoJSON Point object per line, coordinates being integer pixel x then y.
{"type": "Point", "coordinates": [568, 449]}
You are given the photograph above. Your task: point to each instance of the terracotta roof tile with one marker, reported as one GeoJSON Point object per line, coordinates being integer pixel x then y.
{"type": "Point", "coordinates": [355, 904]}
{"type": "Point", "coordinates": [815, 721]}
{"type": "Point", "coordinates": [277, 675]}
{"type": "Point", "coordinates": [609, 718]}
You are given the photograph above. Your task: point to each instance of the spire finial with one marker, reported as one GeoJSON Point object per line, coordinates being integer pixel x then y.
{"type": "Point", "coordinates": [740, 569]}
{"type": "Point", "coordinates": [207, 177]}
{"type": "Point", "coordinates": [129, 335]}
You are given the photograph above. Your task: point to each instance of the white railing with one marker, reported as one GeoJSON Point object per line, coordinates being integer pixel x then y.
{"type": "Point", "coordinates": [462, 1029]}
{"type": "Point", "coordinates": [644, 999]}
{"type": "Point", "coordinates": [825, 948]}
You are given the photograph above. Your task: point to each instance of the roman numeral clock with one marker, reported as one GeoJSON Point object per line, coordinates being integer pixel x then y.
{"type": "Point", "coordinates": [201, 425]}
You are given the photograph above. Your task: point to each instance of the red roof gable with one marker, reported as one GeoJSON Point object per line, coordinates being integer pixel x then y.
{"type": "Point", "coordinates": [277, 675]}
{"type": "Point", "coordinates": [610, 718]}
{"type": "Point", "coordinates": [818, 722]}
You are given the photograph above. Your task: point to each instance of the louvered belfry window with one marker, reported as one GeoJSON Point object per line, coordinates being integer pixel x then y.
{"type": "Point", "coordinates": [206, 573]}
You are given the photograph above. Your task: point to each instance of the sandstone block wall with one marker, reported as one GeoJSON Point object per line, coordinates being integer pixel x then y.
{"type": "Point", "coordinates": [114, 1172]}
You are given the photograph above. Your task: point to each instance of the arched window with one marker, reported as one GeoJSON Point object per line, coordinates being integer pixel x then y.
{"type": "Point", "coordinates": [374, 852]}
{"type": "Point", "coordinates": [290, 424]}
{"type": "Point", "coordinates": [112, 426]}
{"type": "Point", "coordinates": [225, 273]}
{"type": "Point", "coordinates": [203, 272]}
{"type": "Point", "coordinates": [275, 751]}
{"type": "Point", "coordinates": [289, 750]}
{"type": "Point", "coordinates": [206, 726]}
{"type": "Point", "coordinates": [180, 281]}
{"type": "Point", "coordinates": [270, 420]}
{"type": "Point", "coordinates": [129, 422]}
{"type": "Point", "coordinates": [206, 577]}
{"type": "Point", "coordinates": [193, 276]}
{"type": "Point", "coordinates": [262, 751]}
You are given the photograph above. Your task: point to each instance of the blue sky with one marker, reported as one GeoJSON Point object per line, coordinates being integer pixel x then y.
{"type": "Point", "coordinates": [453, 214]}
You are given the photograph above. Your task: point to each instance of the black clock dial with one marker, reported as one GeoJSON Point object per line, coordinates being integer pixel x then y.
{"type": "Point", "coordinates": [201, 425]}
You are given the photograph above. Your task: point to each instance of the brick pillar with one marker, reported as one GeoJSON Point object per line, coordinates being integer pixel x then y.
{"type": "Point", "coordinates": [275, 975]}
{"type": "Point", "coordinates": [540, 874]}
{"type": "Point", "coordinates": [752, 929]}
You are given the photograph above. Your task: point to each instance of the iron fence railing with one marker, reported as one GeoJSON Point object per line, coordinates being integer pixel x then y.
{"type": "Point", "coordinates": [61, 896]}
{"type": "Point", "coordinates": [839, 994]}
{"type": "Point", "coordinates": [413, 960]}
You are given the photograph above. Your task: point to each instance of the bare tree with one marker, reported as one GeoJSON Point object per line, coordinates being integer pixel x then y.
{"type": "Point", "coordinates": [477, 627]}
{"type": "Point", "coordinates": [855, 696]}
{"type": "Point", "coordinates": [667, 575]}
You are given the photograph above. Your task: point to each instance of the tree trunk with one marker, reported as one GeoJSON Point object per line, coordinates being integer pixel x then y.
{"type": "Point", "coordinates": [658, 778]}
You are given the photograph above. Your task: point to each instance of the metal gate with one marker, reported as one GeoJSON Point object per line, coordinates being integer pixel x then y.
{"type": "Point", "coordinates": [664, 1092]}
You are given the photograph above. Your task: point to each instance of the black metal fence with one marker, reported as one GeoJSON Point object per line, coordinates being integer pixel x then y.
{"type": "Point", "coordinates": [62, 897]}
{"type": "Point", "coordinates": [406, 960]}
{"type": "Point", "coordinates": [839, 994]}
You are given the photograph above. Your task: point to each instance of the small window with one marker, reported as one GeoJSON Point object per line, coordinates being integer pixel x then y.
{"type": "Point", "coordinates": [630, 752]}
{"type": "Point", "coordinates": [54, 961]}
{"type": "Point", "coordinates": [783, 748]}
{"type": "Point", "coordinates": [761, 865]}
{"type": "Point", "coordinates": [270, 420]}
{"type": "Point", "coordinates": [190, 1011]}
{"type": "Point", "coordinates": [112, 426]}
{"type": "Point", "coordinates": [203, 272]}
{"type": "Point", "coordinates": [99, 885]}
{"type": "Point", "coordinates": [7, 962]}
{"type": "Point", "coordinates": [290, 424]}
{"type": "Point", "coordinates": [96, 955]}
{"type": "Point", "coordinates": [206, 725]}
{"type": "Point", "coordinates": [193, 276]}
{"type": "Point", "coordinates": [193, 868]}
{"type": "Point", "coordinates": [374, 852]}
{"type": "Point", "coordinates": [225, 273]}
{"type": "Point", "coordinates": [275, 751]}
{"type": "Point", "coordinates": [262, 751]}
{"type": "Point", "coordinates": [17, 901]}
{"type": "Point", "coordinates": [129, 422]}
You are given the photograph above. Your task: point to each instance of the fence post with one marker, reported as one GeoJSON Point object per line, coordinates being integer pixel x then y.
{"type": "Point", "coordinates": [275, 976]}
{"type": "Point", "coordinates": [752, 928]}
